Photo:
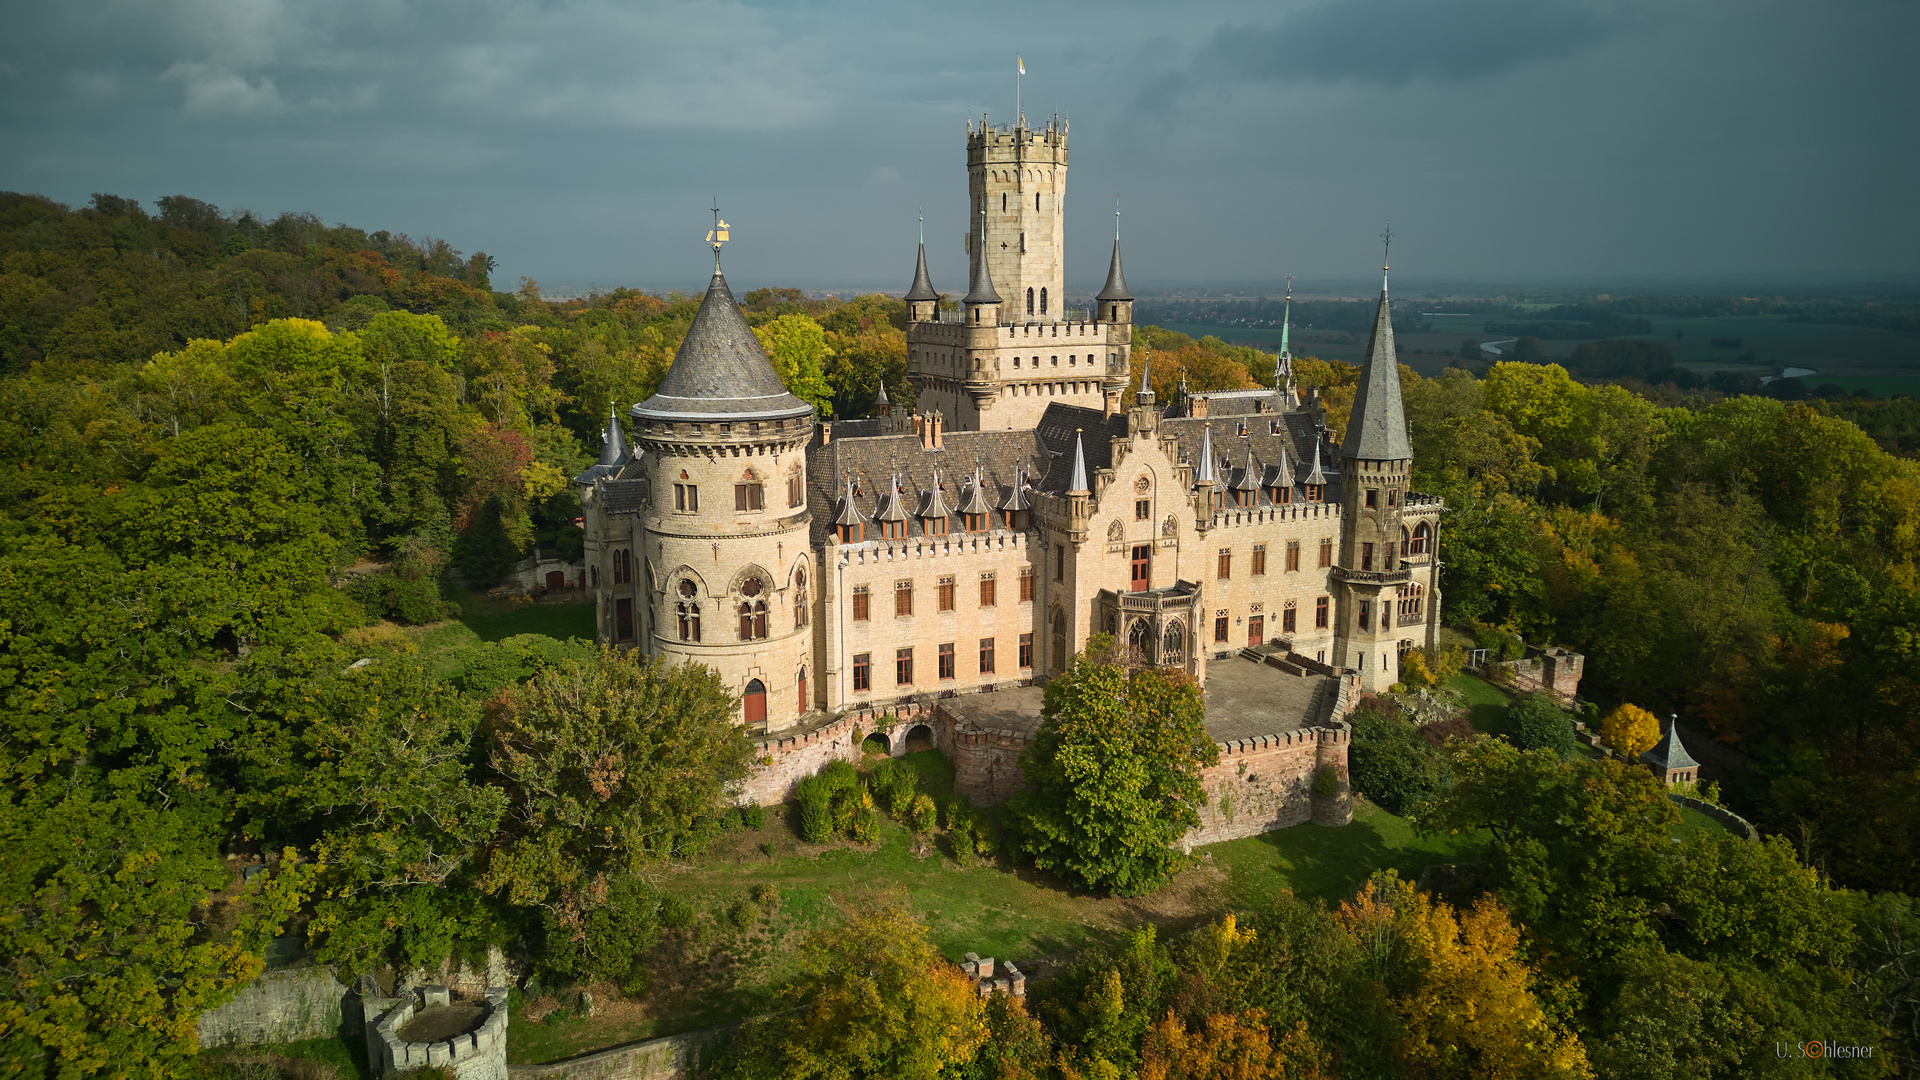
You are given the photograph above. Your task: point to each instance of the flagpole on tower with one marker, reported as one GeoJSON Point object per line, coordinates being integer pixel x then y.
{"type": "Point", "coordinates": [1019, 69]}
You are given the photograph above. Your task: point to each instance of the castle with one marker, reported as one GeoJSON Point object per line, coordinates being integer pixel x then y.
{"type": "Point", "coordinates": [873, 576]}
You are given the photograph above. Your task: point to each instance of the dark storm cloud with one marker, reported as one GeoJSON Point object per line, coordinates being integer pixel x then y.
{"type": "Point", "coordinates": [580, 140]}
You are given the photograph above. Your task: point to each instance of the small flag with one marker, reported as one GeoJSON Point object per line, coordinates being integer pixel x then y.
{"type": "Point", "coordinates": [1019, 63]}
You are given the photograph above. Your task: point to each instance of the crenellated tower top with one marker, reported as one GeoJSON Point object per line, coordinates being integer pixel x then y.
{"type": "Point", "coordinates": [1019, 174]}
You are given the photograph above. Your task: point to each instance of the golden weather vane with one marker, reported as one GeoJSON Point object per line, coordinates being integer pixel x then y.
{"type": "Point", "coordinates": [717, 235]}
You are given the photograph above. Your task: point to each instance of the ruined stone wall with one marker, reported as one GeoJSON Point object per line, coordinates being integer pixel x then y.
{"type": "Point", "coordinates": [280, 1006]}
{"type": "Point", "coordinates": [986, 764]}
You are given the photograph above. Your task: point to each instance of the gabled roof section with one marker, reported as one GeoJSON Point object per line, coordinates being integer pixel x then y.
{"type": "Point", "coordinates": [1377, 427]}
{"type": "Point", "coordinates": [1247, 479]}
{"type": "Point", "coordinates": [1669, 752]}
{"type": "Point", "coordinates": [1315, 475]}
{"type": "Point", "coordinates": [893, 503]}
{"type": "Point", "coordinates": [976, 500]}
{"type": "Point", "coordinates": [922, 287]}
{"type": "Point", "coordinates": [1016, 493]}
{"type": "Point", "coordinates": [720, 374]}
{"type": "Point", "coordinates": [1281, 476]}
{"type": "Point", "coordinates": [848, 511]}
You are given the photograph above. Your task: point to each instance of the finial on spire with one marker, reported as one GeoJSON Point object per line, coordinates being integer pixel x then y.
{"type": "Point", "coordinates": [719, 234]}
{"type": "Point", "coordinates": [1116, 217]}
{"type": "Point", "coordinates": [1386, 249]}
{"type": "Point", "coordinates": [1145, 394]}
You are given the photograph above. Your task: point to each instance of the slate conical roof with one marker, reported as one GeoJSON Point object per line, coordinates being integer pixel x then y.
{"type": "Point", "coordinates": [1017, 493]}
{"type": "Point", "coordinates": [613, 450]}
{"type": "Point", "coordinates": [1669, 752]}
{"type": "Point", "coordinates": [982, 290]}
{"type": "Point", "coordinates": [1283, 477]}
{"type": "Point", "coordinates": [1078, 481]}
{"type": "Point", "coordinates": [720, 374]}
{"type": "Point", "coordinates": [922, 287]}
{"type": "Point", "coordinates": [1377, 427]}
{"type": "Point", "coordinates": [1315, 476]}
{"type": "Point", "coordinates": [1203, 473]}
{"type": "Point", "coordinates": [1116, 286]}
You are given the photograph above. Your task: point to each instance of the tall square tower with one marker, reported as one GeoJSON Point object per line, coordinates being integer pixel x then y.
{"type": "Point", "coordinates": [1018, 175]}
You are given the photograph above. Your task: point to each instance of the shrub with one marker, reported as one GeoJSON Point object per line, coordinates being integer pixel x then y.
{"type": "Point", "coordinates": [959, 813]}
{"type": "Point", "coordinates": [960, 842]}
{"type": "Point", "coordinates": [986, 840]}
{"type": "Point", "coordinates": [1630, 730]}
{"type": "Point", "coordinates": [840, 777]}
{"type": "Point", "coordinates": [766, 896]}
{"type": "Point", "coordinates": [921, 814]}
{"type": "Point", "coordinates": [1536, 723]}
{"type": "Point", "coordinates": [743, 915]}
{"type": "Point", "coordinates": [864, 827]}
{"type": "Point", "coordinates": [1326, 782]}
{"type": "Point", "coordinates": [378, 638]}
{"type": "Point", "coordinates": [675, 913]}
{"type": "Point", "coordinates": [815, 810]}
{"type": "Point", "coordinates": [905, 788]}
{"type": "Point", "coordinates": [1500, 644]}
{"type": "Point", "coordinates": [1441, 732]}
{"type": "Point", "coordinates": [753, 816]}
{"type": "Point", "coordinates": [1391, 761]}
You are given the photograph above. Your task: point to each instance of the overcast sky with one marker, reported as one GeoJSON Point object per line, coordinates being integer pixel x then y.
{"type": "Point", "coordinates": [580, 141]}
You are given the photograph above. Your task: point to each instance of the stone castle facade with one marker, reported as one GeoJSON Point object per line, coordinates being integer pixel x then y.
{"type": "Point", "coordinates": [869, 575]}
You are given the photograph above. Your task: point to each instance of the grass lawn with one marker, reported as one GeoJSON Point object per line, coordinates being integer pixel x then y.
{"type": "Point", "coordinates": [443, 646]}
{"type": "Point", "coordinates": [1693, 821]}
{"type": "Point", "coordinates": [345, 1061]}
{"type": "Point", "coordinates": [716, 971]}
{"type": "Point", "coordinates": [1486, 703]}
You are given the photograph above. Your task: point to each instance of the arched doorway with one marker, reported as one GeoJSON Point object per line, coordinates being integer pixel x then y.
{"type": "Point", "coordinates": [876, 745]}
{"type": "Point", "coordinates": [920, 738]}
{"type": "Point", "coordinates": [756, 702]}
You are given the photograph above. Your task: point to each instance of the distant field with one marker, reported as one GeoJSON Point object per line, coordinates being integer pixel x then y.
{"type": "Point", "coordinates": [1877, 385]}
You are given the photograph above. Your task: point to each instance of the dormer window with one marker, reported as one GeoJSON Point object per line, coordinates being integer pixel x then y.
{"type": "Point", "coordinates": [1281, 495]}
{"type": "Point", "coordinates": [853, 534]}
{"type": "Point", "coordinates": [976, 522]}
{"type": "Point", "coordinates": [935, 526]}
{"type": "Point", "coordinates": [893, 530]}
{"type": "Point", "coordinates": [1019, 520]}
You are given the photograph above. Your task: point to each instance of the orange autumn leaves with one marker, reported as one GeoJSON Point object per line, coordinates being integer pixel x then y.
{"type": "Point", "coordinates": [1459, 987]}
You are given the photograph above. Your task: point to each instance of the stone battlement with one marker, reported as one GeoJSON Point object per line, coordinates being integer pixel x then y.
{"type": "Point", "coordinates": [477, 1054]}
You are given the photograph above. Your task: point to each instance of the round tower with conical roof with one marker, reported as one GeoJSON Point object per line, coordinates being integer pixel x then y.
{"type": "Point", "coordinates": [724, 531]}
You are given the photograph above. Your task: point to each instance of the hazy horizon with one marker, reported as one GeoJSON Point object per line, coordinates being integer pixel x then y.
{"type": "Point", "coordinates": [1527, 144]}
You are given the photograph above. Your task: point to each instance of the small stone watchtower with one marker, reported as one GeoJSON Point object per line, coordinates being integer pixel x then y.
{"type": "Point", "coordinates": [1669, 759]}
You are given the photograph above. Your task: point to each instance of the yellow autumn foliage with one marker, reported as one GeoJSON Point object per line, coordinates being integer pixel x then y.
{"type": "Point", "coordinates": [1631, 730]}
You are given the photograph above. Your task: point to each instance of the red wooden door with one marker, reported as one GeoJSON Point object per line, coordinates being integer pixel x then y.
{"type": "Point", "coordinates": [1256, 631]}
{"type": "Point", "coordinates": [756, 702]}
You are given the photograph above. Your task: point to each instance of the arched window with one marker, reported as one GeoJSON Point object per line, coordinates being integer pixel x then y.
{"type": "Point", "coordinates": [1043, 293]}
{"type": "Point", "coordinates": [1036, 200]}
{"type": "Point", "coordinates": [1029, 301]}
{"type": "Point", "coordinates": [802, 603]}
{"type": "Point", "coordinates": [1140, 642]}
{"type": "Point", "coordinates": [800, 688]}
{"type": "Point", "coordinates": [1174, 646]}
{"type": "Point", "coordinates": [1059, 641]}
{"type": "Point", "coordinates": [753, 620]}
{"type": "Point", "coordinates": [1422, 538]}
{"type": "Point", "coordinates": [1003, 201]}
{"type": "Point", "coordinates": [689, 616]}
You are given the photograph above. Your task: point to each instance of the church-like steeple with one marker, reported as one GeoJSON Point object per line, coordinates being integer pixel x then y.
{"type": "Point", "coordinates": [1078, 481]}
{"type": "Point", "coordinates": [1377, 426]}
{"type": "Point", "coordinates": [1116, 286]}
{"type": "Point", "coordinates": [1204, 473]}
{"type": "Point", "coordinates": [1145, 394]}
{"type": "Point", "coordinates": [1283, 363]}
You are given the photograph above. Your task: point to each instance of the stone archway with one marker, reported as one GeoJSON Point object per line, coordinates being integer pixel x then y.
{"type": "Point", "coordinates": [919, 737]}
{"type": "Point", "coordinates": [876, 745]}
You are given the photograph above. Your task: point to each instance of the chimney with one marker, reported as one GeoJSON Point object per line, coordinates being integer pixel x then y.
{"type": "Point", "coordinates": [939, 428]}
{"type": "Point", "coordinates": [1197, 407]}
{"type": "Point", "coordinates": [826, 432]}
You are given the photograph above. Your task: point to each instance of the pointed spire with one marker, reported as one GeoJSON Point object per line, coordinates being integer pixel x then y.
{"type": "Point", "coordinates": [922, 287]}
{"type": "Point", "coordinates": [1017, 494]}
{"type": "Point", "coordinates": [1078, 481]}
{"type": "Point", "coordinates": [890, 508]}
{"type": "Point", "coordinates": [976, 501]}
{"type": "Point", "coordinates": [1145, 396]}
{"type": "Point", "coordinates": [1283, 363]}
{"type": "Point", "coordinates": [1283, 478]}
{"type": "Point", "coordinates": [613, 445]}
{"type": "Point", "coordinates": [1205, 473]}
{"type": "Point", "coordinates": [1377, 426]}
{"type": "Point", "coordinates": [1116, 287]}
{"type": "Point", "coordinates": [881, 406]}
{"type": "Point", "coordinates": [1314, 475]}
{"type": "Point", "coordinates": [933, 501]}
{"type": "Point", "coordinates": [848, 512]}
{"type": "Point", "coordinates": [982, 290]}
{"type": "Point", "coordinates": [1249, 479]}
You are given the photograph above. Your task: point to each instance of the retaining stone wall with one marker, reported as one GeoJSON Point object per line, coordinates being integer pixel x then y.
{"type": "Point", "coordinates": [1266, 783]}
{"type": "Point", "coordinates": [796, 757]}
{"type": "Point", "coordinates": [675, 1057]}
{"type": "Point", "coordinates": [280, 1006]}
{"type": "Point", "coordinates": [986, 764]}
{"type": "Point", "coordinates": [1734, 823]}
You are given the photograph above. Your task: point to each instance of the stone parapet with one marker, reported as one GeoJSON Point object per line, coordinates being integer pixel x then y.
{"type": "Point", "coordinates": [480, 1054]}
{"type": "Point", "coordinates": [675, 1057]}
{"type": "Point", "coordinates": [280, 1006]}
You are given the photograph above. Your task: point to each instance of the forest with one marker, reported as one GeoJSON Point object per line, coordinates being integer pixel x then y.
{"type": "Point", "coordinates": [238, 446]}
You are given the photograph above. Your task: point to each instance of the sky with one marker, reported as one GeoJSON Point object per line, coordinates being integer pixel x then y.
{"type": "Point", "coordinates": [580, 142]}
